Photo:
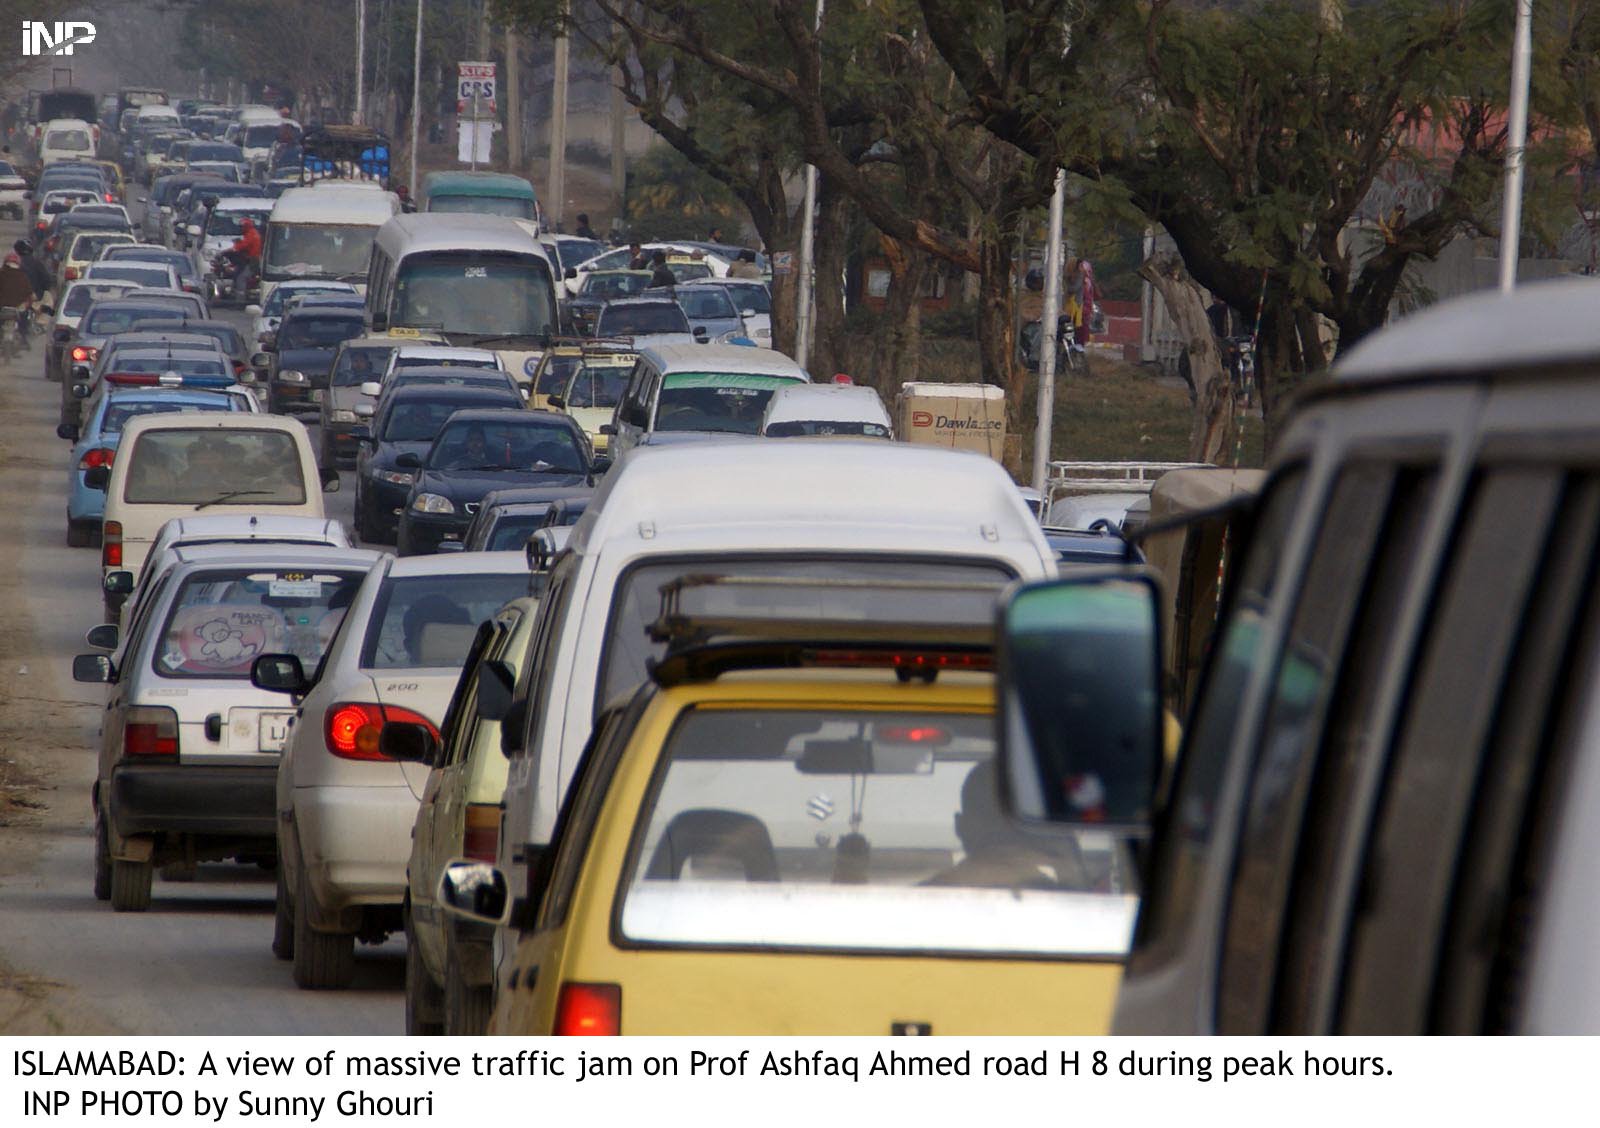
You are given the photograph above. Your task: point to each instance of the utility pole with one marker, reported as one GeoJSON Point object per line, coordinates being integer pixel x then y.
{"type": "Point", "coordinates": [1047, 337]}
{"type": "Point", "coordinates": [1516, 147]}
{"type": "Point", "coordinates": [416, 99]}
{"type": "Point", "coordinates": [361, 61]}
{"type": "Point", "coordinates": [619, 149]}
{"type": "Point", "coordinates": [557, 193]}
{"type": "Point", "coordinates": [808, 251]}
{"type": "Point", "coordinates": [513, 100]}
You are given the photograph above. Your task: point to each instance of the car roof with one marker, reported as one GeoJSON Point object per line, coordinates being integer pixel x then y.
{"type": "Point", "coordinates": [157, 301]}
{"type": "Point", "coordinates": [244, 203]}
{"type": "Point", "coordinates": [437, 373]}
{"type": "Point", "coordinates": [445, 352]}
{"type": "Point", "coordinates": [722, 358]}
{"type": "Point", "coordinates": [488, 181]}
{"type": "Point", "coordinates": [304, 312]}
{"type": "Point", "coordinates": [463, 231]}
{"type": "Point", "coordinates": [457, 563]}
{"type": "Point", "coordinates": [515, 415]}
{"type": "Point", "coordinates": [289, 284]}
{"type": "Point", "coordinates": [167, 253]}
{"type": "Point", "coordinates": [190, 557]}
{"type": "Point", "coordinates": [298, 205]}
{"type": "Point", "coordinates": [246, 421]}
{"type": "Point", "coordinates": [835, 401]}
{"type": "Point", "coordinates": [466, 393]}
{"type": "Point", "coordinates": [658, 298]}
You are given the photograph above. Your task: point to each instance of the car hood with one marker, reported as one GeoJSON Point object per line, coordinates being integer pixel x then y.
{"type": "Point", "coordinates": [468, 486]}
{"type": "Point", "coordinates": [313, 362]}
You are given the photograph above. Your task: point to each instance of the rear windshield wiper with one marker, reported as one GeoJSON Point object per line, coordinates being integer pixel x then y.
{"type": "Point", "coordinates": [230, 495]}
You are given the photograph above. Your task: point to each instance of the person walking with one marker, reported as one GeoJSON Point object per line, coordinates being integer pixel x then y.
{"type": "Point", "coordinates": [660, 274]}
{"type": "Point", "coordinates": [584, 230]}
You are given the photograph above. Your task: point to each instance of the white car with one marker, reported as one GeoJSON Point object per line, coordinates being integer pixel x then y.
{"type": "Point", "coordinates": [345, 810]}
{"type": "Point", "coordinates": [67, 139]}
{"type": "Point", "coordinates": [618, 260]}
{"type": "Point", "coordinates": [269, 316]}
{"type": "Point", "coordinates": [829, 410]}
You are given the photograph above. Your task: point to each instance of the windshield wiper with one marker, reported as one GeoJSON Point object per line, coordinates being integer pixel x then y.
{"type": "Point", "coordinates": [541, 335]}
{"type": "Point", "coordinates": [230, 495]}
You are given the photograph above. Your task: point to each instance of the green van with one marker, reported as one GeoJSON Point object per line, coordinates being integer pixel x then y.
{"type": "Point", "coordinates": [485, 193]}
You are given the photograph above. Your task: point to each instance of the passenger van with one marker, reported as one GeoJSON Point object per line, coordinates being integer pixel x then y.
{"type": "Point", "coordinates": [67, 139]}
{"type": "Point", "coordinates": [1386, 815]}
{"type": "Point", "coordinates": [708, 389]}
{"type": "Point", "coordinates": [321, 233]}
{"type": "Point", "coordinates": [870, 511]}
{"type": "Point", "coordinates": [481, 193]}
{"type": "Point", "coordinates": [481, 280]}
{"type": "Point", "coordinates": [180, 465]}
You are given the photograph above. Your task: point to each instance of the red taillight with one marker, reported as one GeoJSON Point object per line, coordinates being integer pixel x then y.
{"type": "Point", "coordinates": [351, 729]}
{"type": "Point", "coordinates": [911, 734]}
{"type": "Point", "coordinates": [81, 353]}
{"type": "Point", "coordinates": [150, 730]}
{"type": "Point", "coordinates": [70, 273]}
{"type": "Point", "coordinates": [110, 199]}
{"type": "Point", "coordinates": [912, 662]}
{"type": "Point", "coordinates": [98, 456]}
{"type": "Point", "coordinates": [239, 367]}
{"type": "Point", "coordinates": [480, 839]}
{"type": "Point", "coordinates": [589, 1008]}
{"type": "Point", "coordinates": [111, 544]}
{"type": "Point", "coordinates": [138, 379]}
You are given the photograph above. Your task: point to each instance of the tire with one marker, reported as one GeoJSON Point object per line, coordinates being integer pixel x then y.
{"type": "Point", "coordinates": [466, 1008]}
{"type": "Point", "coordinates": [323, 961]}
{"type": "Point", "coordinates": [80, 534]}
{"type": "Point", "coordinates": [130, 885]}
{"type": "Point", "coordinates": [283, 921]}
{"type": "Point", "coordinates": [102, 859]}
{"type": "Point", "coordinates": [424, 1001]}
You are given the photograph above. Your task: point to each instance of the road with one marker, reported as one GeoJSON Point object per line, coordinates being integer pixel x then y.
{"type": "Point", "coordinates": [198, 962]}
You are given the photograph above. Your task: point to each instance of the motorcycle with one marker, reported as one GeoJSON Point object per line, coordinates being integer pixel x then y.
{"type": "Point", "coordinates": [228, 282]}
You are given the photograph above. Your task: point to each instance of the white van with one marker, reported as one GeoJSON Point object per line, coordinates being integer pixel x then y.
{"type": "Point", "coordinates": [703, 389]}
{"type": "Point", "coordinates": [314, 233]}
{"type": "Point", "coordinates": [861, 510]}
{"type": "Point", "coordinates": [67, 139]}
{"type": "Point", "coordinates": [189, 464]}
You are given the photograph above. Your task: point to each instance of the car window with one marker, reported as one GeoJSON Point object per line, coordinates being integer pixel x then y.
{"type": "Point", "coordinates": [580, 811]}
{"type": "Point", "coordinates": [642, 319]}
{"type": "Point", "coordinates": [80, 298]}
{"type": "Point", "coordinates": [107, 322]}
{"type": "Point", "coordinates": [356, 366]}
{"type": "Point", "coordinates": [512, 532]}
{"type": "Point", "coordinates": [313, 332]}
{"type": "Point", "coordinates": [418, 421]}
{"type": "Point", "coordinates": [715, 401]}
{"type": "Point", "coordinates": [553, 376]}
{"type": "Point", "coordinates": [178, 466]}
{"type": "Point", "coordinates": [706, 301]}
{"type": "Point", "coordinates": [117, 414]}
{"type": "Point", "coordinates": [158, 276]}
{"type": "Point", "coordinates": [187, 364]}
{"type": "Point", "coordinates": [430, 621]}
{"type": "Point", "coordinates": [221, 621]}
{"type": "Point", "coordinates": [496, 445]}
{"type": "Point", "coordinates": [598, 385]}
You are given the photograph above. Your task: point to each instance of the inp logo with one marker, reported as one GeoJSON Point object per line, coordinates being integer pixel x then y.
{"type": "Point", "coordinates": [57, 39]}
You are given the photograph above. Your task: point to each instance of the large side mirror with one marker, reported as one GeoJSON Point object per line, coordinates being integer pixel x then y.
{"type": "Point", "coordinates": [601, 463]}
{"type": "Point", "coordinates": [474, 891]}
{"type": "Point", "coordinates": [330, 479]}
{"type": "Point", "coordinates": [371, 388]}
{"type": "Point", "coordinates": [1081, 721]}
{"type": "Point", "coordinates": [68, 431]}
{"type": "Point", "coordinates": [103, 637]}
{"type": "Point", "coordinates": [91, 668]}
{"type": "Point", "coordinates": [119, 582]}
{"type": "Point", "coordinates": [97, 477]}
{"type": "Point", "coordinates": [408, 461]}
{"type": "Point", "coordinates": [260, 360]}
{"type": "Point", "coordinates": [557, 402]}
{"type": "Point", "coordinates": [194, 230]}
{"type": "Point", "coordinates": [408, 742]}
{"type": "Point", "coordinates": [495, 685]}
{"type": "Point", "coordinates": [253, 310]}
{"type": "Point", "coordinates": [279, 673]}
{"type": "Point", "coordinates": [380, 322]}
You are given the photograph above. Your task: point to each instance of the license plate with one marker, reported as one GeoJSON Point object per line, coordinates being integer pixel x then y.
{"type": "Point", "coordinates": [274, 731]}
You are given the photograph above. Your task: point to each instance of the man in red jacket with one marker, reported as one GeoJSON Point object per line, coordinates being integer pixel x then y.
{"type": "Point", "coordinates": [245, 254]}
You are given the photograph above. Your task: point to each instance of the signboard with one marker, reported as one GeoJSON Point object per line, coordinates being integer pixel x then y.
{"type": "Point", "coordinates": [475, 80]}
{"type": "Point", "coordinates": [783, 262]}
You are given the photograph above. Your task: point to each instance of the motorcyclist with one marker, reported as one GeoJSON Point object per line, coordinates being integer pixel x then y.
{"type": "Point", "coordinates": [16, 292]}
{"type": "Point", "coordinates": [244, 254]}
{"type": "Point", "coordinates": [38, 274]}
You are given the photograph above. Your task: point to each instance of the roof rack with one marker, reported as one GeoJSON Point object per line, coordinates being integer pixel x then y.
{"type": "Point", "coordinates": [703, 645]}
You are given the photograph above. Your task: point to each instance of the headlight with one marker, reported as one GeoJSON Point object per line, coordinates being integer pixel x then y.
{"type": "Point", "coordinates": [394, 477]}
{"type": "Point", "coordinates": [343, 417]}
{"type": "Point", "coordinates": [433, 503]}
{"type": "Point", "coordinates": [292, 377]}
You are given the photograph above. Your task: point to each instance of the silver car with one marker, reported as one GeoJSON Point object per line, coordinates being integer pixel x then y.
{"type": "Point", "coordinates": [188, 748]}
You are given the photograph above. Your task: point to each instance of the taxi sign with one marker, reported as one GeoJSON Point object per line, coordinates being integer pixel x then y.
{"type": "Point", "coordinates": [404, 331]}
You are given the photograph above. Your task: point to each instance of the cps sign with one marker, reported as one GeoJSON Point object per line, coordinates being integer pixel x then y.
{"type": "Point", "coordinates": [475, 80]}
{"type": "Point", "coordinates": [55, 39]}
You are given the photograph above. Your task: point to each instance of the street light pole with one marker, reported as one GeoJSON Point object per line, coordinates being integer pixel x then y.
{"type": "Point", "coordinates": [1047, 338]}
{"type": "Point", "coordinates": [1516, 146]}
{"type": "Point", "coordinates": [808, 249]}
{"type": "Point", "coordinates": [361, 61]}
{"type": "Point", "coordinates": [416, 100]}
{"type": "Point", "coordinates": [557, 195]}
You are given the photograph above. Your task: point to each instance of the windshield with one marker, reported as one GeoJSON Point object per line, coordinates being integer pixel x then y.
{"type": "Point", "coordinates": [642, 319]}
{"type": "Point", "coordinates": [184, 364]}
{"type": "Point", "coordinates": [221, 621]}
{"type": "Point", "coordinates": [302, 332]}
{"type": "Point", "coordinates": [80, 298]}
{"type": "Point", "coordinates": [853, 830]}
{"type": "Point", "coordinates": [483, 205]}
{"type": "Point", "coordinates": [507, 445]}
{"type": "Point", "coordinates": [357, 366]}
{"type": "Point", "coordinates": [713, 401]}
{"type": "Point", "coordinates": [264, 136]}
{"type": "Point", "coordinates": [796, 428]}
{"type": "Point", "coordinates": [70, 140]}
{"type": "Point", "coordinates": [105, 322]}
{"type": "Point", "coordinates": [599, 385]}
{"type": "Point", "coordinates": [145, 275]}
{"type": "Point", "coordinates": [553, 377]}
{"type": "Point", "coordinates": [118, 413]}
{"type": "Point", "coordinates": [706, 302]}
{"type": "Point", "coordinates": [420, 420]}
{"type": "Point", "coordinates": [226, 223]}
{"type": "Point", "coordinates": [295, 249]}
{"type": "Point", "coordinates": [204, 467]}
{"type": "Point", "coordinates": [637, 604]}
{"type": "Point", "coordinates": [614, 285]}
{"type": "Point", "coordinates": [88, 247]}
{"type": "Point", "coordinates": [430, 621]}
{"type": "Point", "coordinates": [572, 252]}
{"type": "Point", "coordinates": [280, 294]}
{"type": "Point", "coordinates": [211, 151]}
{"type": "Point", "coordinates": [510, 534]}
{"type": "Point", "coordinates": [751, 296]}
{"type": "Point", "coordinates": [476, 294]}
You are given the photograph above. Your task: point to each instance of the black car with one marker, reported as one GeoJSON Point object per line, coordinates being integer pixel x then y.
{"type": "Point", "coordinates": [228, 339]}
{"type": "Point", "coordinates": [479, 451]}
{"type": "Point", "coordinates": [406, 423]}
{"type": "Point", "coordinates": [301, 356]}
{"type": "Point", "coordinates": [507, 518]}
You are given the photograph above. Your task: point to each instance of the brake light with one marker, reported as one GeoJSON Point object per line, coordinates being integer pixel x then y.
{"type": "Point", "coordinates": [480, 840]}
{"type": "Point", "coordinates": [110, 199]}
{"type": "Point", "coordinates": [82, 353]}
{"type": "Point", "coordinates": [911, 661]}
{"type": "Point", "coordinates": [351, 729]}
{"type": "Point", "coordinates": [589, 1008]}
{"type": "Point", "coordinates": [111, 544]}
{"type": "Point", "coordinates": [70, 273]}
{"type": "Point", "coordinates": [911, 734]}
{"type": "Point", "coordinates": [150, 730]}
{"type": "Point", "coordinates": [98, 456]}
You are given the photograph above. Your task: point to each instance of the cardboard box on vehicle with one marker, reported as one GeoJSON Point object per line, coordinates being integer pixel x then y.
{"type": "Point", "coordinates": [959, 416]}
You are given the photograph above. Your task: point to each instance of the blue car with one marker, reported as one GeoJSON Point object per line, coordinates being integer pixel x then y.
{"type": "Point", "coordinates": [96, 445]}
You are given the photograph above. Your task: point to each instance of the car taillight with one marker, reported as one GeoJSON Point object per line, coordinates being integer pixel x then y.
{"type": "Point", "coordinates": [70, 273]}
{"type": "Point", "coordinates": [110, 199]}
{"type": "Point", "coordinates": [589, 1008]}
{"type": "Point", "coordinates": [98, 456]}
{"type": "Point", "coordinates": [111, 544]}
{"type": "Point", "coordinates": [82, 354]}
{"type": "Point", "coordinates": [351, 728]}
{"type": "Point", "coordinates": [150, 730]}
{"type": "Point", "coordinates": [910, 734]}
{"type": "Point", "coordinates": [481, 837]}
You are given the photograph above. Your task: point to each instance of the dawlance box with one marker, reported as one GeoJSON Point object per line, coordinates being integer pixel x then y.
{"type": "Point", "coordinates": [959, 416]}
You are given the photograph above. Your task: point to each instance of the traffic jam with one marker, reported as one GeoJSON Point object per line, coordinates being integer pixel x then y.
{"type": "Point", "coordinates": [484, 620]}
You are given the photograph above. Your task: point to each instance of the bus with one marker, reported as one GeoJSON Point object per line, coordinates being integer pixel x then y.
{"type": "Point", "coordinates": [480, 280]}
{"type": "Point", "coordinates": [319, 232]}
{"type": "Point", "coordinates": [485, 193]}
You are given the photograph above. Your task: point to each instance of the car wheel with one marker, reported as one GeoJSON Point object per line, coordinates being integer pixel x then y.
{"type": "Point", "coordinates": [102, 859]}
{"type": "Point", "coordinates": [466, 1008]}
{"type": "Point", "coordinates": [80, 534]}
{"type": "Point", "coordinates": [322, 960]}
{"type": "Point", "coordinates": [283, 921]}
{"type": "Point", "coordinates": [130, 885]}
{"type": "Point", "coordinates": [423, 1002]}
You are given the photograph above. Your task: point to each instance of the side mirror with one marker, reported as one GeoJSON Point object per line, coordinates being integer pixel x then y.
{"type": "Point", "coordinates": [91, 668]}
{"type": "Point", "coordinates": [572, 272]}
{"type": "Point", "coordinates": [380, 322]}
{"type": "Point", "coordinates": [452, 546]}
{"type": "Point", "coordinates": [103, 637]}
{"type": "Point", "coordinates": [370, 388]}
{"type": "Point", "coordinates": [557, 402]}
{"type": "Point", "coordinates": [408, 461]}
{"type": "Point", "coordinates": [119, 582]}
{"type": "Point", "coordinates": [364, 410]}
{"type": "Point", "coordinates": [260, 360]}
{"type": "Point", "coordinates": [330, 479]}
{"type": "Point", "coordinates": [474, 891]}
{"type": "Point", "coordinates": [495, 685]}
{"type": "Point", "coordinates": [747, 313]}
{"type": "Point", "coordinates": [80, 391]}
{"type": "Point", "coordinates": [68, 431]}
{"type": "Point", "coordinates": [97, 477]}
{"type": "Point", "coordinates": [608, 428]}
{"type": "Point", "coordinates": [699, 333]}
{"type": "Point", "coordinates": [1094, 756]}
{"type": "Point", "coordinates": [408, 742]}
{"type": "Point", "coordinates": [253, 310]}
{"type": "Point", "coordinates": [280, 673]}
{"type": "Point", "coordinates": [601, 463]}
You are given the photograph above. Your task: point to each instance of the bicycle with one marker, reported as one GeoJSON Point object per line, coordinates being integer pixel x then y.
{"type": "Point", "coordinates": [14, 330]}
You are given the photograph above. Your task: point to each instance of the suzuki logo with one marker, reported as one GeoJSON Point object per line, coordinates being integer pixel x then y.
{"type": "Point", "coordinates": [39, 38]}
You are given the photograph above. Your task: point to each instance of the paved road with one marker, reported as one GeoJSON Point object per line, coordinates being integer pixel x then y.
{"type": "Point", "coordinates": [198, 962]}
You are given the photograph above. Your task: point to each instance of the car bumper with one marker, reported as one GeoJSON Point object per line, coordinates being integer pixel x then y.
{"type": "Point", "coordinates": [425, 532]}
{"type": "Point", "coordinates": [354, 843]}
{"type": "Point", "coordinates": [84, 504]}
{"type": "Point", "coordinates": [294, 399]}
{"type": "Point", "coordinates": [386, 500]}
{"type": "Point", "coordinates": [189, 799]}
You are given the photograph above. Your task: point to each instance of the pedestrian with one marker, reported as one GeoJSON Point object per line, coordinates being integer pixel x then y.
{"type": "Point", "coordinates": [660, 275]}
{"type": "Point", "coordinates": [1080, 298]}
{"type": "Point", "coordinates": [636, 256]}
{"type": "Point", "coordinates": [745, 265]}
{"type": "Point", "coordinates": [714, 235]}
{"type": "Point", "coordinates": [584, 230]}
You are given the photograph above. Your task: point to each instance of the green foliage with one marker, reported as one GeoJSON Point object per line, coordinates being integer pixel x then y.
{"type": "Point", "coordinates": [669, 198]}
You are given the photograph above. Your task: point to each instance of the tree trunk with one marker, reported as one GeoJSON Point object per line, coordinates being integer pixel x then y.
{"type": "Point", "coordinates": [831, 351]}
{"type": "Point", "coordinates": [1213, 425]}
{"type": "Point", "coordinates": [901, 319]}
{"type": "Point", "coordinates": [997, 346]}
